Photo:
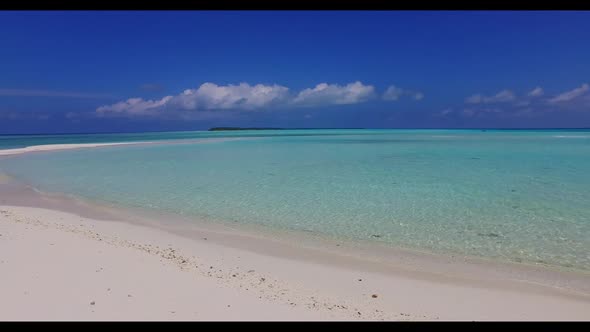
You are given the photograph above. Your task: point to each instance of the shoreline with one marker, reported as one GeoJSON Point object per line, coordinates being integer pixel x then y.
{"type": "Point", "coordinates": [289, 243]}
{"type": "Point", "coordinates": [381, 257]}
{"type": "Point", "coordinates": [292, 289]}
{"type": "Point", "coordinates": [329, 271]}
{"type": "Point", "coordinates": [61, 147]}
{"type": "Point", "coordinates": [77, 146]}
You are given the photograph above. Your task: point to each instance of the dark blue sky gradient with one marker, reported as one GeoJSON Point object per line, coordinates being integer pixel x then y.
{"type": "Point", "coordinates": [57, 68]}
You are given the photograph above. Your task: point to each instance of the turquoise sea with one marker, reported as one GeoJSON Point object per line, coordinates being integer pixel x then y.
{"type": "Point", "coordinates": [510, 195]}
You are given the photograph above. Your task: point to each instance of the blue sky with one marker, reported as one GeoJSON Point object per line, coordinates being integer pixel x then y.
{"type": "Point", "coordinates": [149, 70]}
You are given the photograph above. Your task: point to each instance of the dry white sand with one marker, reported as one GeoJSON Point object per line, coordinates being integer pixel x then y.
{"type": "Point", "coordinates": [56, 147]}
{"type": "Point", "coordinates": [60, 266]}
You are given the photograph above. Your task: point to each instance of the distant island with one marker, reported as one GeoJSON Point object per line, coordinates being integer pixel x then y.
{"type": "Point", "coordinates": [239, 128]}
{"type": "Point", "coordinates": [263, 128]}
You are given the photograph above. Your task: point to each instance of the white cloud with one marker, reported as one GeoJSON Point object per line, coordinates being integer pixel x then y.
{"type": "Point", "coordinates": [208, 96]}
{"type": "Point", "coordinates": [325, 94]}
{"type": "Point", "coordinates": [212, 97]}
{"type": "Point", "coordinates": [243, 96]}
{"type": "Point", "coordinates": [501, 97]}
{"type": "Point", "coordinates": [482, 111]}
{"type": "Point", "coordinates": [394, 93]}
{"type": "Point", "coordinates": [533, 103]}
{"type": "Point", "coordinates": [134, 106]}
{"type": "Point", "coordinates": [570, 95]}
{"type": "Point", "coordinates": [536, 92]}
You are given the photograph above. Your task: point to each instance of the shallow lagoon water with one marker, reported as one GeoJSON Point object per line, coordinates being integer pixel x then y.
{"type": "Point", "coordinates": [519, 196]}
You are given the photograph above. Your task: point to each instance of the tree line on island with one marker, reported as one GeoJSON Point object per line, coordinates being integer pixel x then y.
{"type": "Point", "coordinates": [267, 128]}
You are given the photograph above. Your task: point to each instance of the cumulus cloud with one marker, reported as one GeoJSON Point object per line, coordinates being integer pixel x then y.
{"type": "Point", "coordinates": [536, 92]}
{"type": "Point", "coordinates": [208, 96]}
{"type": "Point", "coordinates": [213, 97]}
{"type": "Point", "coordinates": [134, 106]}
{"type": "Point", "coordinates": [500, 97]}
{"type": "Point", "coordinates": [532, 103]}
{"type": "Point", "coordinates": [325, 94]}
{"type": "Point", "coordinates": [393, 93]}
{"type": "Point", "coordinates": [571, 95]}
{"type": "Point", "coordinates": [243, 96]}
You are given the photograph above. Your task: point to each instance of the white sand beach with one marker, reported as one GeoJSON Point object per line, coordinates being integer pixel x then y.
{"type": "Point", "coordinates": [57, 147]}
{"type": "Point", "coordinates": [75, 146]}
{"type": "Point", "coordinates": [61, 266]}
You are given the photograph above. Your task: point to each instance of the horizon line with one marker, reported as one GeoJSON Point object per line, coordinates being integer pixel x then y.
{"type": "Point", "coordinates": [293, 128]}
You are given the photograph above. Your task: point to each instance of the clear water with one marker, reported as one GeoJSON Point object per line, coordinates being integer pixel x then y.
{"type": "Point", "coordinates": [21, 141]}
{"type": "Point", "coordinates": [511, 195]}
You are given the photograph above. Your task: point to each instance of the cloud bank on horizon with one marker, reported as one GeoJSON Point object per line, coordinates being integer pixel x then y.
{"type": "Point", "coordinates": [209, 100]}
{"type": "Point", "coordinates": [571, 95]}
{"type": "Point", "coordinates": [506, 103]}
{"type": "Point", "coordinates": [243, 96]}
